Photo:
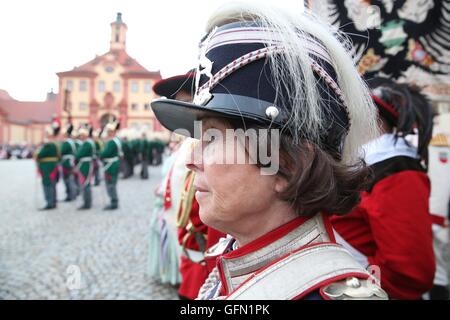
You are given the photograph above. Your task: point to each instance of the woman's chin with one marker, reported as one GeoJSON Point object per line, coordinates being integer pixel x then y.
{"type": "Point", "coordinates": [204, 215]}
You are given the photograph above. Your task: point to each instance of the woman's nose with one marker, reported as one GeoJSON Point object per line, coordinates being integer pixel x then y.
{"type": "Point", "coordinates": [194, 158]}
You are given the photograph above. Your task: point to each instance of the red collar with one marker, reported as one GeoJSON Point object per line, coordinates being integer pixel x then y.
{"type": "Point", "coordinates": [266, 239]}
{"type": "Point", "coordinates": [238, 265]}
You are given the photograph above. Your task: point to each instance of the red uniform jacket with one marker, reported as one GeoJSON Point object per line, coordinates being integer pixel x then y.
{"type": "Point", "coordinates": [193, 275]}
{"type": "Point", "coordinates": [392, 227]}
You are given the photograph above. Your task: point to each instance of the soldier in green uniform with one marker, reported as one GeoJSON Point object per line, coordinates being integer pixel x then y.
{"type": "Point", "coordinates": [98, 148]}
{"type": "Point", "coordinates": [110, 156]}
{"type": "Point", "coordinates": [150, 151]}
{"type": "Point", "coordinates": [47, 158]}
{"type": "Point", "coordinates": [143, 154]}
{"type": "Point", "coordinates": [128, 158]}
{"type": "Point", "coordinates": [68, 152]}
{"type": "Point", "coordinates": [134, 143]}
{"type": "Point", "coordinates": [85, 166]}
{"type": "Point", "coordinates": [76, 177]}
{"type": "Point", "coordinates": [158, 150]}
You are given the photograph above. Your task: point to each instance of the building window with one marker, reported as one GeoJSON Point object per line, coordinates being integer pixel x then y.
{"type": "Point", "coordinates": [101, 86]}
{"type": "Point", "coordinates": [116, 86]}
{"type": "Point", "coordinates": [135, 126]}
{"type": "Point", "coordinates": [134, 106]}
{"type": "Point", "coordinates": [147, 106]}
{"type": "Point", "coordinates": [134, 86]}
{"type": "Point", "coordinates": [69, 85]}
{"type": "Point", "coordinates": [83, 106]}
{"type": "Point", "coordinates": [83, 85]}
{"type": "Point", "coordinates": [146, 127]}
{"type": "Point", "coordinates": [117, 34]}
{"type": "Point", "coordinates": [148, 87]}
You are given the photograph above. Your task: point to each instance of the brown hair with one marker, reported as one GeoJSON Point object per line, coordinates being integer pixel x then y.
{"type": "Point", "coordinates": [316, 182]}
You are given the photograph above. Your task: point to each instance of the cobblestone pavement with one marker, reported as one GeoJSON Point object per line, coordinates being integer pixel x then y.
{"type": "Point", "coordinates": [41, 250]}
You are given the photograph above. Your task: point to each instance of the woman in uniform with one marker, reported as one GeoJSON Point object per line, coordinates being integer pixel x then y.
{"type": "Point", "coordinates": [280, 113]}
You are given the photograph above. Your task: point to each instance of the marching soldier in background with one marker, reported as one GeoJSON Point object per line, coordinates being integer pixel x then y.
{"type": "Point", "coordinates": [128, 162]}
{"type": "Point", "coordinates": [134, 146]}
{"type": "Point", "coordinates": [68, 152]}
{"type": "Point", "coordinates": [143, 153]}
{"type": "Point", "coordinates": [110, 156]}
{"type": "Point", "coordinates": [98, 148]}
{"type": "Point", "coordinates": [156, 150]}
{"type": "Point", "coordinates": [150, 151]}
{"type": "Point", "coordinates": [76, 175]}
{"type": "Point", "coordinates": [85, 165]}
{"type": "Point", "coordinates": [47, 158]}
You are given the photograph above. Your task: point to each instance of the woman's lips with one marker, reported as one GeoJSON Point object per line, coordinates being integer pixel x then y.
{"type": "Point", "coordinates": [200, 188]}
{"type": "Point", "coordinates": [200, 192]}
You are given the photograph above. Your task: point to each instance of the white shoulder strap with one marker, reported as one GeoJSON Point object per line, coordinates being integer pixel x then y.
{"type": "Point", "coordinates": [92, 143]}
{"type": "Point", "coordinates": [72, 146]}
{"type": "Point", "coordinates": [305, 269]}
{"type": "Point", "coordinates": [119, 146]}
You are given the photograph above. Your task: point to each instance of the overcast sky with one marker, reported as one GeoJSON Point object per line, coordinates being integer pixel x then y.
{"type": "Point", "coordinates": [42, 37]}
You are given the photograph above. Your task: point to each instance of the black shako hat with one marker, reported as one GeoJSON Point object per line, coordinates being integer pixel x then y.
{"type": "Point", "coordinates": [68, 129]}
{"type": "Point", "coordinates": [169, 87]}
{"type": "Point", "coordinates": [235, 80]}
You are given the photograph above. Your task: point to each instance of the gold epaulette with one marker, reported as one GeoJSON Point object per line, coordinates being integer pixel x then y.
{"type": "Point", "coordinates": [187, 198]}
{"type": "Point", "coordinates": [354, 289]}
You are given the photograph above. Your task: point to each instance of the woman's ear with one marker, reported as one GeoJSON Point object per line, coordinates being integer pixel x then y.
{"type": "Point", "coordinates": [280, 184]}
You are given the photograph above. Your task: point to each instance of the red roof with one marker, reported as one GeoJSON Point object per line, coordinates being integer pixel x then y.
{"type": "Point", "coordinates": [131, 66]}
{"type": "Point", "coordinates": [26, 112]}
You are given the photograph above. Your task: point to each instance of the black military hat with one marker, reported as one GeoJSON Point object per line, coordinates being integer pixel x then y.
{"type": "Point", "coordinates": [235, 80]}
{"type": "Point", "coordinates": [68, 129]}
{"type": "Point", "coordinates": [169, 87]}
{"type": "Point", "coordinates": [56, 125]}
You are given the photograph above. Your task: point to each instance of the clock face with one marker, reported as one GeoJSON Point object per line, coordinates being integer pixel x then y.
{"type": "Point", "coordinates": [109, 69]}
